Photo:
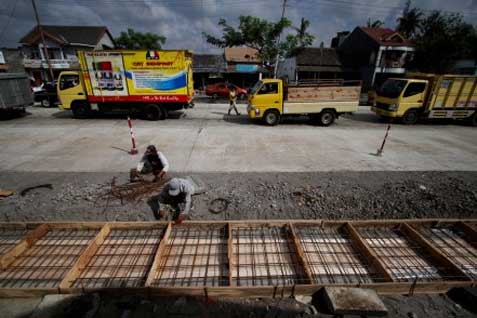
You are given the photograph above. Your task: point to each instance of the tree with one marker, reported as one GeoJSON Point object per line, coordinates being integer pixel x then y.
{"type": "Point", "coordinates": [262, 35]}
{"type": "Point", "coordinates": [137, 40]}
{"type": "Point", "coordinates": [302, 39]}
{"type": "Point", "coordinates": [410, 21]}
{"type": "Point", "coordinates": [374, 24]}
{"type": "Point", "coordinates": [443, 39]}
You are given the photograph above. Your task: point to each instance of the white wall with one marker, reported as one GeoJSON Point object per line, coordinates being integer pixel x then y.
{"type": "Point", "coordinates": [105, 40]}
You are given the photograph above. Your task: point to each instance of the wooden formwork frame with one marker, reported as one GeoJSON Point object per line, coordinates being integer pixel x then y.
{"type": "Point", "coordinates": [408, 228]}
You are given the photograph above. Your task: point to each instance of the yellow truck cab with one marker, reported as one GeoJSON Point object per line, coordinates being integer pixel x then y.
{"type": "Point", "coordinates": [429, 96]}
{"type": "Point", "coordinates": [323, 101]}
{"type": "Point", "coordinates": [70, 87]}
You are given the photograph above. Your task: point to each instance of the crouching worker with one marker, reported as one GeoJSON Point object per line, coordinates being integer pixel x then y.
{"type": "Point", "coordinates": [178, 194]}
{"type": "Point", "coordinates": [153, 162]}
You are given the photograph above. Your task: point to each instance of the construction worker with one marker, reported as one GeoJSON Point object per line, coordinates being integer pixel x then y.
{"type": "Point", "coordinates": [233, 100]}
{"type": "Point", "coordinates": [152, 162]}
{"type": "Point", "coordinates": [177, 193]}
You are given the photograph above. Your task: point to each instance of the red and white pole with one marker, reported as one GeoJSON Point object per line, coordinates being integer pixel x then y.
{"type": "Point", "coordinates": [133, 150]}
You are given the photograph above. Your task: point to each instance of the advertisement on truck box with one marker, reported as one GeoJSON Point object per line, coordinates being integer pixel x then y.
{"type": "Point", "coordinates": [137, 72]}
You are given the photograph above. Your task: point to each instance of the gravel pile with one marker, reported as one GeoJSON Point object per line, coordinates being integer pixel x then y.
{"type": "Point", "coordinates": [330, 195]}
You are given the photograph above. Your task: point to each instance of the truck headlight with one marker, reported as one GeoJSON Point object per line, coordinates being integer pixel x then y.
{"type": "Point", "coordinates": [392, 107]}
{"type": "Point", "coordinates": [257, 111]}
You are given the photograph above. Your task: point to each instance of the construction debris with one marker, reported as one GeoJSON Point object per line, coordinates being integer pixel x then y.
{"type": "Point", "coordinates": [6, 193]}
{"type": "Point", "coordinates": [354, 301]}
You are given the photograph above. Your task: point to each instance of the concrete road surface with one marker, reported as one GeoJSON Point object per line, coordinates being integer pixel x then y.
{"type": "Point", "coordinates": [205, 139]}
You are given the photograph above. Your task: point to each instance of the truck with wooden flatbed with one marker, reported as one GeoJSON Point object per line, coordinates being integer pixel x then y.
{"type": "Point", "coordinates": [421, 95]}
{"type": "Point", "coordinates": [322, 101]}
{"type": "Point", "coordinates": [149, 82]}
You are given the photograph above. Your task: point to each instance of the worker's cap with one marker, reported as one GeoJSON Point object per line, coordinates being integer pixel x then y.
{"type": "Point", "coordinates": [151, 149]}
{"type": "Point", "coordinates": [174, 187]}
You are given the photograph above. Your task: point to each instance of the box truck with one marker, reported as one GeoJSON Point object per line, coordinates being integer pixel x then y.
{"type": "Point", "coordinates": [421, 95]}
{"type": "Point", "coordinates": [150, 82]}
{"type": "Point", "coordinates": [322, 101]}
{"type": "Point", "coordinates": [15, 92]}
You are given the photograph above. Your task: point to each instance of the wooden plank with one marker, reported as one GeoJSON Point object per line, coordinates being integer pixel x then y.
{"type": "Point", "coordinates": [157, 258]}
{"type": "Point", "coordinates": [469, 232]}
{"type": "Point", "coordinates": [8, 258]}
{"type": "Point", "coordinates": [230, 253]}
{"type": "Point", "coordinates": [84, 258]}
{"type": "Point", "coordinates": [355, 223]}
{"type": "Point", "coordinates": [435, 254]}
{"type": "Point", "coordinates": [364, 248]}
{"type": "Point", "coordinates": [300, 254]}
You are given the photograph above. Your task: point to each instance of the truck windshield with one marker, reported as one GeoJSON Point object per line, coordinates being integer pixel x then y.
{"type": "Point", "coordinates": [255, 87]}
{"type": "Point", "coordinates": [392, 88]}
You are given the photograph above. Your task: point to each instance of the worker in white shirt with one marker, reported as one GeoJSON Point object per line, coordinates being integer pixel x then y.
{"type": "Point", "coordinates": [152, 162]}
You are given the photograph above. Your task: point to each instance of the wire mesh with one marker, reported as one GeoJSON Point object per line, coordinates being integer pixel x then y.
{"type": "Point", "coordinates": [194, 256]}
{"type": "Point", "coordinates": [265, 256]}
{"type": "Point", "coordinates": [123, 260]}
{"type": "Point", "coordinates": [405, 260]}
{"type": "Point", "coordinates": [332, 257]}
{"type": "Point", "coordinates": [9, 237]}
{"type": "Point", "coordinates": [46, 262]}
{"type": "Point", "coordinates": [453, 244]}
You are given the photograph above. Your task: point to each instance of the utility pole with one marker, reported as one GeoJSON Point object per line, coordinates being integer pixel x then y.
{"type": "Point", "coordinates": [45, 50]}
{"type": "Point", "coordinates": [278, 41]}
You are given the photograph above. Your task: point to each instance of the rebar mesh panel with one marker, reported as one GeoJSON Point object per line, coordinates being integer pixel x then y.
{"type": "Point", "coordinates": [123, 260]}
{"type": "Point", "coordinates": [453, 244]}
{"type": "Point", "coordinates": [405, 260]}
{"type": "Point", "coordinates": [45, 263]}
{"type": "Point", "coordinates": [9, 237]}
{"type": "Point", "coordinates": [332, 258]}
{"type": "Point", "coordinates": [194, 256]}
{"type": "Point", "coordinates": [265, 256]}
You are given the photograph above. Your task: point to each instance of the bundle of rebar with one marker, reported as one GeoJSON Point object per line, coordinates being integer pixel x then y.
{"type": "Point", "coordinates": [132, 192]}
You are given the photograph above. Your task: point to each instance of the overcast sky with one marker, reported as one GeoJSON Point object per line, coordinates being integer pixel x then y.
{"type": "Point", "coordinates": [183, 21]}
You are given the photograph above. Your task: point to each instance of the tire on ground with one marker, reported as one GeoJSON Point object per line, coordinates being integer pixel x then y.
{"type": "Point", "coordinates": [81, 110]}
{"type": "Point", "coordinates": [154, 112]}
{"type": "Point", "coordinates": [271, 117]}
{"type": "Point", "coordinates": [410, 117]}
{"type": "Point", "coordinates": [326, 117]}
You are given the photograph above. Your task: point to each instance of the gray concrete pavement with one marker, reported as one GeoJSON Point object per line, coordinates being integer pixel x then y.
{"type": "Point", "coordinates": [205, 139]}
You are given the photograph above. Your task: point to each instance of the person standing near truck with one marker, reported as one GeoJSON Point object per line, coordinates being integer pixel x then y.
{"type": "Point", "coordinates": [233, 100]}
{"type": "Point", "coordinates": [152, 162]}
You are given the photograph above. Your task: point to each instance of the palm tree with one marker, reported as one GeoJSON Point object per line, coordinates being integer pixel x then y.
{"type": "Point", "coordinates": [303, 37]}
{"type": "Point", "coordinates": [374, 24]}
{"type": "Point", "coordinates": [410, 21]}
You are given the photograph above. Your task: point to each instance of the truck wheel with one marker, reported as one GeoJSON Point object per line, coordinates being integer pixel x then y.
{"type": "Point", "coordinates": [45, 102]}
{"type": "Point", "coordinates": [326, 117]}
{"type": "Point", "coordinates": [154, 112]}
{"type": "Point", "coordinates": [81, 110]}
{"type": "Point", "coordinates": [271, 117]}
{"type": "Point", "coordinates": [410, 117]}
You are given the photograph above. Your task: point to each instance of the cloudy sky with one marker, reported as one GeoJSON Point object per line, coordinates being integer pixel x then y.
{"type": "Point", "coordinates": [183, 21]}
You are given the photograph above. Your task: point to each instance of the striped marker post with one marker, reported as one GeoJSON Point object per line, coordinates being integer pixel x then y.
{"type": "Point", "coordinates": [133, 150]}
